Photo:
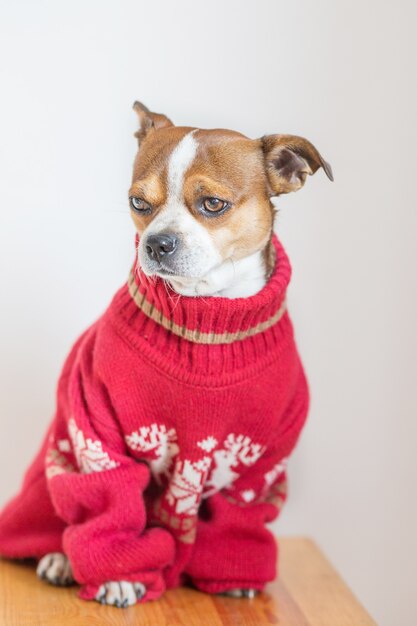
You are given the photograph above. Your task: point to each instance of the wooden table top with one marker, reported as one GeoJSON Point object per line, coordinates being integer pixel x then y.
{"type": "Point", "coordinates": [308, 593]}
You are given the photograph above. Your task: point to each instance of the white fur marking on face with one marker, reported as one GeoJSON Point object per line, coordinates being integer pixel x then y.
{"type": "Point", "coordinates": [179, 162]}
{"type": "Point", "coordinates": [198, 253]}
{"type": "Point", "coordinates": [199, 267]}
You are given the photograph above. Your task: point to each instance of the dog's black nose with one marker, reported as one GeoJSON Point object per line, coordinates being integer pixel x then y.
{"type": "Point", "coordinates": [158, 246]}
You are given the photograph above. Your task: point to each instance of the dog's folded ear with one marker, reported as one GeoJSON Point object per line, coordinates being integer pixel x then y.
{"type": "Point", "coordinates": [288, 161]}
{"type": "Point", "coordinates": [148, 120]}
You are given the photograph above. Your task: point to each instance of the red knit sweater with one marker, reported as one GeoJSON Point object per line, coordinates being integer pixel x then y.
{"type": "Point", "coordinates": [166, 455]}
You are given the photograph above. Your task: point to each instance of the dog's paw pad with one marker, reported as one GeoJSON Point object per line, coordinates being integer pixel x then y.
{"type": "Point", "coordinates": [120, 594]}
{"type": "Point", "coordinates": [240, 593]}
{"type": "Point", "coordinates": [55, 568]}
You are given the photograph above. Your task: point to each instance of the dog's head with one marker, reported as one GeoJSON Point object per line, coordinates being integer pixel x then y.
{"type": "Point", "coordinates": [202, 198]}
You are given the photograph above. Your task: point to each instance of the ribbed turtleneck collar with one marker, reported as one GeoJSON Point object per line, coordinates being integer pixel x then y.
{"type": "Point", "coordinates": [213, 320]}
{"type": "Point", "coordinates": [210, 341]}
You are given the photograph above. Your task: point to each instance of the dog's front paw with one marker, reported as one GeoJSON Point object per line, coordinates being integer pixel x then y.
{"type": "Point", "coordinates": [55, 568]}
{"type": "Point", "coordinates": [120, 594]}
{"type": "Point", "coordinates": [240, 593]}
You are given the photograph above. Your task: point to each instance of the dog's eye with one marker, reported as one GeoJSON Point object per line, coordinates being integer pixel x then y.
{"type": "Point", "coordinates": [139, 205]}
{"type": "Point", "coordinates": [214, 205]}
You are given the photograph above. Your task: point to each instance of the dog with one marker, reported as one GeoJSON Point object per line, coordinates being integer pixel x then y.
{"type": "Point", "coordinates": [177, 410]}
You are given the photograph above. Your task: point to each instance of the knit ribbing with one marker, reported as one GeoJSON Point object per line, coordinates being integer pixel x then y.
{"type": "Point", "coordinates": [194, 338]}
{"type": "Point", "coordinates": [213, 320]}
{"type": "Point", "coordinates": [196, 335]}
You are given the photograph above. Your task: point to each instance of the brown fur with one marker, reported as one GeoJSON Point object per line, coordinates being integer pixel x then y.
{"type": "Point", "coordinates": [230, 166]}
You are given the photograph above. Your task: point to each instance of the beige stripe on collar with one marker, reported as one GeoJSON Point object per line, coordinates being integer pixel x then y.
{"type": "Point", "coordinates": [197, 336]}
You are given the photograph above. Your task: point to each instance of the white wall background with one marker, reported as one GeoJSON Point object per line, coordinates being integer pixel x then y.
{"type": "Point", "coordinates": [339, 73]}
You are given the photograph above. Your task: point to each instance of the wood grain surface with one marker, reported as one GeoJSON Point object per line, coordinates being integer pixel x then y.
{"type": "Point", "coordinates": [308, 593]}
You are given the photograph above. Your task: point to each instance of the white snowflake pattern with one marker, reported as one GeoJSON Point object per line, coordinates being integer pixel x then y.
{"type": "Point", "coordinates": [56, 463]}
{"type": "Point", "coordinates": [157, 443]}
{"type": "Point", "coordinates": [89, 453]}
{"type": "Point", "coordinates": [248, 495]}
{"type": "Point", "coordinates": [242, 447]}
{"type": "Point", "coordinates": [207, 444]}
{"type": "Point", "coordinates": [278, 469]}
{"type": "Point", "coordinates": [64, 445]}
{"type": "Point", "coordinates": [188, 481]}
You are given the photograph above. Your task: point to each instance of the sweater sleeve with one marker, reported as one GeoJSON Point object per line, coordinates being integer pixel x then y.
{"type": "Point", "coordinates": [97, 489]}
{"type": "Point", "coordinates": [233, 547]}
